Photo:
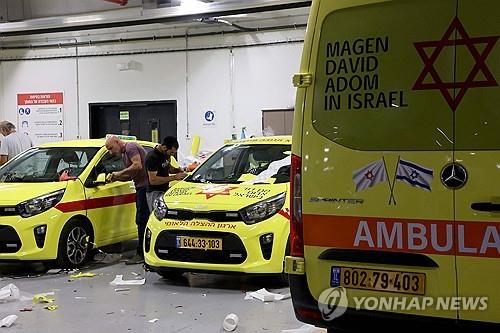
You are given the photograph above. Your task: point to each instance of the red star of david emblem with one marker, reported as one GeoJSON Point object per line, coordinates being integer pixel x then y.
{"type": "Point", "coordinates": [213, 191]}
{"type": "Point", "coordinates": [449, 40]}
{"type": "Point", "coordinates": [369, 175]}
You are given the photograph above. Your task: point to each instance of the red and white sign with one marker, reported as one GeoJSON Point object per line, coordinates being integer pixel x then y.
{"type": "Point", "coordinates": [40, 116]}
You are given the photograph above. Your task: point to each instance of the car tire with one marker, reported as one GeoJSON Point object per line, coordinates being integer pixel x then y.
{"type": "Point", "coordinates": [74, 248]}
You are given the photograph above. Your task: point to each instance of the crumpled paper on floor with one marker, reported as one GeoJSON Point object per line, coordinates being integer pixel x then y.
{"type": "Point", "coordinates": [11, 293]}
{"type": "Point", "coordinates": [82, 275]}
{"type": "Point", "coordinates": [8, 321]}
{"type": "Point", "coordinates": [119, 281]}
{"type": "Point", "coordinates": [305, 329]}
{"type": "Point", "coordinates": [266, 296]}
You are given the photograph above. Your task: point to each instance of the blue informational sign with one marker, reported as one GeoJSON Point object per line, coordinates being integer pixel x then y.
{"type": "Point", "coordinates": [27, 111]}
{"type": "Point", "coordinates": [209, 116]}
{"type": "Point", "coordinates": [21, 111]}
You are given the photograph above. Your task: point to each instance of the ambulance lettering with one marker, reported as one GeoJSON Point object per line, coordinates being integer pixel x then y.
{"type": "Point", "coordinates": [438, 238]}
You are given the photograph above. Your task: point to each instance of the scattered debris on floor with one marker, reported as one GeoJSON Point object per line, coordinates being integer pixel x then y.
{"type": "Point", "coordinates": [121, 289]}
{"type": "Point", "coordinates": [306, 329]}
{"type": "Point", "coordinates": [9, 293]}
{"type": "Point", "coordinates": [230, 322]}
{"type": "Point", "coordinates": [8, 321]}
{"type": "Point", "coordinates": [153, 320]}
{"type": "Point", "coordinates": [82, 275]}
{"type": "Point", "coordinates": [266, 296]}
{"type": "Point", "coordinates": [26, 310]}
{"type": "Point", "coordinates": [119, 281]}
{"type": "Point", "coordinates": [51, 307]}
{"type": "Point", "coordinates": [54, 271]}
{"type": "Point", "coordinates": [43, 298]}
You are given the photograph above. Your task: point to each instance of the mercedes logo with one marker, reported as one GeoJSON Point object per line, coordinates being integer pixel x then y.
{"type": "Point", "coordinates": [454, 176]}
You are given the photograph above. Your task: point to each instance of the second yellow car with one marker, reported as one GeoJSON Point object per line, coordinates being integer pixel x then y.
{"type": "Point", "coordinates": [230, 215]}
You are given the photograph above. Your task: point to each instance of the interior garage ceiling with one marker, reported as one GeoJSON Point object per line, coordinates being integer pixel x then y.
{"type": "Point", "coordinates": [28, 20]}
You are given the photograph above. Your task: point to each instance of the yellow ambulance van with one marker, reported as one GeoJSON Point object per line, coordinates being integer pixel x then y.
{"type": "Point", "coordinates": [395, 176]}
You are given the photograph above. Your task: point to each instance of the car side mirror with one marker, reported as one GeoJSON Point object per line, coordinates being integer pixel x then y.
{"type": "Point", "coordinates": [101, 179]}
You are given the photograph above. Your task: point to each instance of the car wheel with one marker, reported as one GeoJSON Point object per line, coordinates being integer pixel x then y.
{"type": "Point", "coordinates": [74, 246]}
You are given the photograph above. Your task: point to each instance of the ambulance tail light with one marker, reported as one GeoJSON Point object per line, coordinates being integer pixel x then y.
{"type": "Point", "coordinates": [296, 226]}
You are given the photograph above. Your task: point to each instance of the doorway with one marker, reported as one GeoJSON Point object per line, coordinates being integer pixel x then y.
{"type": "Point", "coordinates": [148, 121]}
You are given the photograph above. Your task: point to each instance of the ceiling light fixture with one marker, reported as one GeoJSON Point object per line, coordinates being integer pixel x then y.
{"type": "Point", "coordinates": [193, 5]}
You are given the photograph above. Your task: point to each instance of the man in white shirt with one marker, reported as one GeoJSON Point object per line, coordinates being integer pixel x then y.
{"type": "Point", "coordinates": [13, 143]}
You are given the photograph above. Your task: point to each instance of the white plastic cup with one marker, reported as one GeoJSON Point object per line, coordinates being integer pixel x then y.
{"type": "Point", "coordinates": [230, 322]}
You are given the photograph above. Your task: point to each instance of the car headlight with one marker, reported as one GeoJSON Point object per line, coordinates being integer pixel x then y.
{"type": "Point", "coordinates": [160, 208]}
{"type": "Point", "coordinates": [40, 204]}
{"type": "Point", "coordinates": [263, 210]}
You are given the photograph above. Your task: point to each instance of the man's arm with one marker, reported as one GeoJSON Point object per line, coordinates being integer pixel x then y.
{"type": "Point", "coordinates": [4, 152]}
{"type": "Point", "coordinates": [127, 173]}
{"type": "Point", "coordinates": [154, 179]}
{"type": "Point", "coordinates": [175, 170]}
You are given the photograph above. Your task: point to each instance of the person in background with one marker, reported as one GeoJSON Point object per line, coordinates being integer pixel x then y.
{"type": "Point", "coordinates": [13, 142]}
{"type": "Point", "coordinates": [134, 156]}
{"type": "Point", "coordinates": [159, 168]}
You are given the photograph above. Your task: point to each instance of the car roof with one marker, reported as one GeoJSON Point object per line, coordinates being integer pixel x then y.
{"type": "Point", "coordinates": [277, 140]}
{"type": "Point", "coordinates": [97, 143]}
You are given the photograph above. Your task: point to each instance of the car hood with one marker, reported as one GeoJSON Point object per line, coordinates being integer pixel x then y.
{"type": "Point", "coordinates": [204, 197]}
{"type": "Point", "coordinates": [14, 193]}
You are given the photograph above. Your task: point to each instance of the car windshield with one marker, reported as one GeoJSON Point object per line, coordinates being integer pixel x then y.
{"type": "Point", "coordinates": [255, 164]}
{"type": "Point", "coordinates": [39, 165]}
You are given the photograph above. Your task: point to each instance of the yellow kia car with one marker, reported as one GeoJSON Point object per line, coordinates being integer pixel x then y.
{"type": "Point", "coordinates": [396, 167]}
{"type": "Point", "coordinates": [230, 215]}
{"type": "Point", "coordinates": [55, 204]}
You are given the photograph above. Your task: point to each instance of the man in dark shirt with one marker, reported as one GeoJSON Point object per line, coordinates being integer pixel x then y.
{"type": "Point", "coordinates": [159, 168]}
{"type": "Point", "coordinates": [134, 156]}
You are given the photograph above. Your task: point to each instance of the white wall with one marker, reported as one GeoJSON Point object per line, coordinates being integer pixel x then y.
{"type": "Point", "coordinates": [262, 79]}
{"type": "Point", "coordinates": [161, 77]}
{"type": "Point", "coordinates": [41, 76]}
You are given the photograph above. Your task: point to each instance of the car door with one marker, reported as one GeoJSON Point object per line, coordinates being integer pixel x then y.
{"type": "Point", "coordinates": [372, 200]}
{"type": "Point", "coordinates": [477, 193]}
{"type": "Point", "coordinates": [110, 207]}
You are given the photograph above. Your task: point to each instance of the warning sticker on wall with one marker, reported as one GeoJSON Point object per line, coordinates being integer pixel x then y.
{"type": "Point", "coordinates": [40, 116]}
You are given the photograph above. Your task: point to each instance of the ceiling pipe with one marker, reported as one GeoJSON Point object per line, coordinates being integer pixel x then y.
{"type": "Point", "coordinates": [163, 15]}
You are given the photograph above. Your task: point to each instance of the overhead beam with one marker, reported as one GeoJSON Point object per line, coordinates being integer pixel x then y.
{"type": "Point", "coordinates": [162, 15]}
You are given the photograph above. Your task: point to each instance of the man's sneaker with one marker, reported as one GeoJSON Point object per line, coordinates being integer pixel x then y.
{"type": "Point", "coordinates": [135, 260]}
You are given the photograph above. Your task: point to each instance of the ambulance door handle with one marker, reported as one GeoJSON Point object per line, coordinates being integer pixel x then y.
{"type": "Point", "coordinates": [379, 257]}
{"type": "Point", "coordinates": [485, 206]}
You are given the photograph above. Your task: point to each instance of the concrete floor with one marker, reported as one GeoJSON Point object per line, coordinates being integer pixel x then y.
{"type": "Point", "coordinates": [192, 303]}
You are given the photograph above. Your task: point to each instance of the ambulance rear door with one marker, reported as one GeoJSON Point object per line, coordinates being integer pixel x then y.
{"type": "Point", "coordinates": [476, 177]}
{"type": "Point", "coordinates": [377, 219]}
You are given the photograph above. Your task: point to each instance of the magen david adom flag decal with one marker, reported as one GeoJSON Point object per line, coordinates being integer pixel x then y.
{"type": "Point", "coordinates": [370, 175]}
{"type": "Point", "coordinates": [414, 174]}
